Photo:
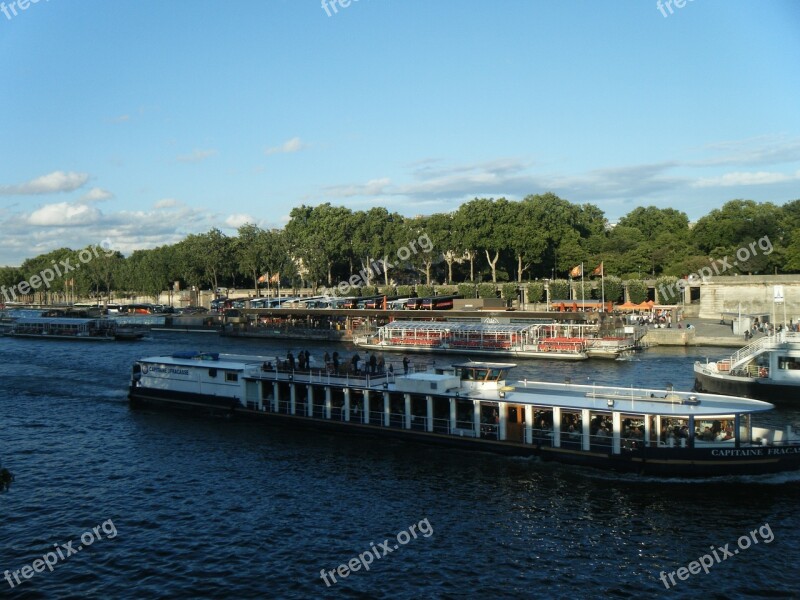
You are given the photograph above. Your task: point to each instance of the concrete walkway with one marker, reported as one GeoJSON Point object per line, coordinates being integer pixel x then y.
{"type": "Point", "coordinates": [704, 332]}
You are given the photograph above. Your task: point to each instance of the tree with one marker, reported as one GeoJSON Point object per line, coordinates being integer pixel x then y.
{"type": "Point", "coordinates": [250, 249]}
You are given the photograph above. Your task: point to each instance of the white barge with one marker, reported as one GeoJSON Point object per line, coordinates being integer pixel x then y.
{"type": "Point", "coordinates": [470, 405]}
{"type": "Point", "coordinates": [766, 369]}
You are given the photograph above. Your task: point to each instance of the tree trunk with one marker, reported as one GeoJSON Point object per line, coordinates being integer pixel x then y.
{"type": "Point", "coordinates": [428, 265]}
{"type": "Point", "coordinates": [386, 270]}
{"type": "Point", "coordinates": [471, 256]}
{"type": "Point", "coordinates": [519, 268]}
{"type": "Point", "coordinates": [493, 264]}
{"type": "Point", "coordinates": [450, 271]}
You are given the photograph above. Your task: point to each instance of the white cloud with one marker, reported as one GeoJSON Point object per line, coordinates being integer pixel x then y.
{"type": "Point", "coordinates": [96, 195]}
{"type": "Point", "coordinates": [166, 203]}
{"type": "Point", "coordinates": [57, 181]}
{"type": "Point", "coordinates": [746, 178]}
{"type": "Point", "coordinates": [237, 220]}
{"type": "Point", "coordinates": [293, 145]}
{"type": "Point", "coordinates": [63, 214]}
{"type": "Point", "coordinates": [196, 156]}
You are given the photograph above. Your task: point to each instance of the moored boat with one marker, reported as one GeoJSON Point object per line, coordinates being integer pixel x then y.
{"type": "Point", "coordinates": [64, 328]}
{"type": "Point", "coordinates": [471, 405]}
{"type": "Point", "coordinates": [487, 339]}
{"type": "Point", "coordinates": [766, 369]}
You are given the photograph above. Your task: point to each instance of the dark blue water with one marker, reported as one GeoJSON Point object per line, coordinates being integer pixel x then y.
{"type": "Point", "coordinates": [190, 507]}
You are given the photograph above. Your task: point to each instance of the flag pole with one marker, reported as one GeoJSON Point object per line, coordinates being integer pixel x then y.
{"type": "Point", "coordinates": [583, 297]}
{"type": "Point", "coordinates": [603, 284]}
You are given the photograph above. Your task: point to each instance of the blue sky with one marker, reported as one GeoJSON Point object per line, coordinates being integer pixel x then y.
{"type": "Point", "coordinates": [142, 121]}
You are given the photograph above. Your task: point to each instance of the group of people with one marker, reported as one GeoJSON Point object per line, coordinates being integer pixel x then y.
{"type": "Point", "coordinates": [372, 364]}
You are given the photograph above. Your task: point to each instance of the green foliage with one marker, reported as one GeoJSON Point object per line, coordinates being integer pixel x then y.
{"type": "Point", "coordinates": [637, 290]}
{"type": "Point", "coordinates": [425, 291]}
{"type": "Point", "coordinates": [369, 290]}
{"type": "Point", "coordinates": [388, 290]}
{"type": "Point", "coordinates": [613, 288]}
{"type": "Point", "coordinates": [559, 290]}
{"type": "Point", "coordinates": [582, 294]}
{"type": "Point", "coordinates": [446, 290]}
{"type": "Point", "coordinates": [508, 291]}
{"type": "Point", "coordinates": [535, 291]}
{"type": "Point", "coordinates": [487, 290]}
{"type": "Point", "coordinates": [467, 290]}
{"type": "Point", "coordinates": [404, 291]}
{"type": "Point", "coordinates": [667, 290]}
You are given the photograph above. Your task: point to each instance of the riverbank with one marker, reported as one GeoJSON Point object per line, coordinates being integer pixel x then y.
{"type": "Point", "coordinates": [704, 332]}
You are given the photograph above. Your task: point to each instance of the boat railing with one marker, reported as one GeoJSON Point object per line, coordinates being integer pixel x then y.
{"type": "Point", "coordinates": [441, 425]}
{"type": "Point", "coordinates": [746, 353]}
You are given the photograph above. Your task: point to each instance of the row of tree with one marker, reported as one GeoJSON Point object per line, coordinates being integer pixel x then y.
{"type": "Point", "coordinates": [497, 240]}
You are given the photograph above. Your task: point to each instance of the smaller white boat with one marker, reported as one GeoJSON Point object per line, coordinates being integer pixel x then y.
{"type": "Point", "coordinates": [767, 369]}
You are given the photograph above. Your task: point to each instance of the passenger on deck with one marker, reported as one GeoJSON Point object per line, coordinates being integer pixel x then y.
{"type": "Point", "coordinates": [290, 360]}
{"type": "Point", "coordinates": [373, 364]}
{"type": "Point", "coordinates": [355, 360]}
{"type": "Point", "coordinates": [405, 365]}
{"type": "Point", "coordinates": [335, 360]}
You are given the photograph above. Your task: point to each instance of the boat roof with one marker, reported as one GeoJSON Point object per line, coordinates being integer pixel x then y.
{"type": "Point", "coordinates": [598, 398]}
{"type": "Point", "coordinates": [210, 360]}
{"type": "Point", "coordinates": [483, 365]}
{"type": "Point", "coordinates": [451, 326]}
{"type": "Point", "coordinates": [58, 320]}
{"type": "Point", "coordinates": [630, 400]}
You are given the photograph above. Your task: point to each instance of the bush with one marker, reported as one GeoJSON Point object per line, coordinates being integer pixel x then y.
{"type": "Point", "coordinates": [466, 290]}
{"type": "Point", "coordinates": [586, 294]}
{"type": "Point", "coordinates": [613, 288]}
{"type": "Point", "coordinates": [369, 290]}
{"type": "Point", "coordinates": [425, 291]}
{"type": "Point", "coordinates": [559, 290]}
{"type": "Point", "coordinates": [404, 291]}
{"type": "Point", "coordinates": [447, 290]}
{"type": "Point", "coordinates": [388, 291]}
{"type": "Point", "coordinates": [667, 290]}
{"type": "Point", "coordinates": [637, 290]}
{"type": "Point", "coordinates": [487, 290]}
{"type": "Point", "coordinates": [535, 292]}
{"type": "Point", "coordinates": [508, 291]}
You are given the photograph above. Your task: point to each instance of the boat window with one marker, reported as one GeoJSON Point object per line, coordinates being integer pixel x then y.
{"type": "Point", "coordinates": [714, 429]}
{"type": "Point", "coordinates": [633, 431]}
{"type": "Point", "coordinates": [212, 372]}
{"type": "Point", "coordinates": [498, 374]}
{"type": "Point", "coordinates": [789, 362]}
{"type": "Point", "coordinates": [231, 377]}
{"type": "Point", "coordinates": [673, 431]}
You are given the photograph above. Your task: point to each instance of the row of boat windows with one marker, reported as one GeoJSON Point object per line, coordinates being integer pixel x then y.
{"type": "Point", "coordinates": [672, 429]}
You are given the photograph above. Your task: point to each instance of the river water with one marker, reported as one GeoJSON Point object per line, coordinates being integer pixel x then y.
{"type": "Point", "coordinates": [167, 505]}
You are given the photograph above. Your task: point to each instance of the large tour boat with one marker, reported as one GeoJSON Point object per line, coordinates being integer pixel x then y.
{"type": "Point", "coordinates": [65, 328]}
{"type": "Point", "coordinates": [471, 405]}
{"type": "Point", "coordinates": [557, 341]}
{"type": "Point", "coordinates": [766, 369]}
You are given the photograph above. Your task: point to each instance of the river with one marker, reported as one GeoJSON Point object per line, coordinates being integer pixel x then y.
{"type": "Point", "coordinates": [179, 506]}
